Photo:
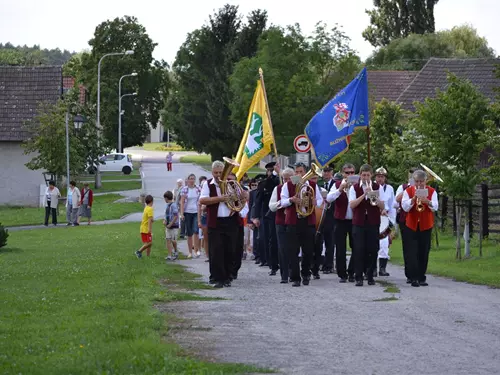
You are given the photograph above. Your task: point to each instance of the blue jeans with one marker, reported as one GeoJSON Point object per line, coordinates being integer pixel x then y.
{"type": "Point", "coordinates": [191, 224]}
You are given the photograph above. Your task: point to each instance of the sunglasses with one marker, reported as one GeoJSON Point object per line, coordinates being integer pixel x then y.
{"type": "Point", "coordinates": [349, 172]}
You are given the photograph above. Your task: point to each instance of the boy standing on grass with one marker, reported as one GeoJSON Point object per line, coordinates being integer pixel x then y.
{"type": "Point", "coordinates": [171, 223]}
{"type": "Point", "coordinates": [146, 228]}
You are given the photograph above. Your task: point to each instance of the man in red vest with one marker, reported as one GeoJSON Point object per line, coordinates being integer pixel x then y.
{"type": "Point", "coordinates": [365, 224]}
{"type": "Point", "coordinates": [300, 230]}
{"type": "Point", "coordinates": [401, 219]}
{"type": "Point", "coordinates": [343, 224]}
{"type": "Point", "coordinates": [222, 224]}
{"type": "Point", "coordinates": [275, 206]}
{"type": "Point", "coordinates": [419, 226]}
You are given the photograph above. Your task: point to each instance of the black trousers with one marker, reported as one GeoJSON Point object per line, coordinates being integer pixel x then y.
{"type": "Point", "coordinates": [418, 248]}
{"type": "Point", "coordinates": [256, 247]}
{"type": "Point", "coordinates": [328, 234]}
{"type": "Point", "coordinates": [48, 212]}
{"type": "Point", "coordinates": [272, 243]}
{"type": "Point", "coordinates": [263, 242]}
{"type": "Point", "coordinates": [403, 229]}
{"type": "Point", "coordinates": [366, 246]}
{"type": "Point", "coordinates": [222, 241]}
{"type": "Point", "coordinates": [343, 228]}
{"type": "Point", "coordinates": [283, 251]}
{"type": "Point", "coordinates": [238, 251]}
{"type": "Point", "coordinates": [300, 236]}
{"type": "Point", "coordinates": [317, 259]}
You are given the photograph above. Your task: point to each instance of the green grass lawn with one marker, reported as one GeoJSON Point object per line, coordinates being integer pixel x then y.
{"type": "Point", "coordinates": [162, 146]}
{"type": "Point", "coordinates": [205, 162]}
{"type": "Point", "coordinates": [78, 301]}
{"type": "Point", "coordinates": [483, 270]}
{"type": "Point", "coordinates": [103, 209]}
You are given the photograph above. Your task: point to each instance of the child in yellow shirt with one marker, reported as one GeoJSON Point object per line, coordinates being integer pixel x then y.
{"type": "Point", "coordinates": [146, 228]}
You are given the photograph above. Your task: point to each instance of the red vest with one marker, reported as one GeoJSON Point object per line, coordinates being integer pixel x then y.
{"type": "Point", "coordinates": [365, 213]}
{"type": "Point", "coordinates": [425, 219]}
{"type": "Point", "coordinates": [341, 204]}
{"type": "Point", "coordinates": [280, 214]}
{"type": "Point", "coordinates": [402, 213]}
{"type": "Point", "coordinates": [290, 211]}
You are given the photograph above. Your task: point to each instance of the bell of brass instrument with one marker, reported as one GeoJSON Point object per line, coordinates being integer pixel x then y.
{"type": "Point", "coordinates": [232, 187]}
{"type": "Point", "coordinates": [373, 199]}
{"type": "Point", "coordinates": [347, 186]}
{"type": "Point", "coordinates": [306, 193]}
{"type": "Point", "coordinates": [420, 205]}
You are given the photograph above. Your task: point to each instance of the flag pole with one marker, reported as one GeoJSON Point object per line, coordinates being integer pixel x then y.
{"type": "Point", "coordinates": [368, 141]}
{"type": "Point", "coordinates": [261, 75]}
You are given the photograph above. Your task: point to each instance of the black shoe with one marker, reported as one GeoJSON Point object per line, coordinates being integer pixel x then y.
{"type": "Point", "coordinates": [423, 283]}
{"type": "Point", "coordinates": [68, 225]}
{"type": "Point", "coordinates": [371, 282]}
{"type": "Point", "coordinates": [382, 272]}
{"type": "Point", "coordinates": [290, 279]}
{"type": "Point", "coordinates": [305, 281]}
{"type": "Point", "coordinates": [316, 277]}
{"type": "Point", "coordinates": [351, 279]}
{"type": "Point", "coordinates": [234, 277]}
{"type": "Point", "coordinates": [359, 283]}
{"type": "Point", "coordinates": [211, 282]}
{"type": "Point", "coordinates": [218, 285]}
{"type": "Point", "coordinates": [272, 273]}
{"type": "Point", "coordinates": [296, 283]}
{"type": "Point", "coordinates": [374, 272]}
{"type": "Point", "coordinates": [263, 264]}
{"type": "Point", "coordinates": [408, 281]}
{"type": "Point", "coordinates": [75, 224]}
{"type": "Point", "coordinates": [227, 284]}
{"type": "Point", "coordinates": [284, 282]}
{"type": "Point", "coordinates": [257, 262]}
{"type": "Point", "coordinates": [343, 280]}
{"type": "Point", "coordinates": [415, 283]}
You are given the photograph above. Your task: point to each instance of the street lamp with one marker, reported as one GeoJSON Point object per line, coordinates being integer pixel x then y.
{"type": "Point", "coordinates": [98, 173]}
{"type": "Point", "coordinates": [78, 122]}
{"type": "Point", "coordinates": [120, 113]}
{"type": "Point", "coordinates": [120, 109]}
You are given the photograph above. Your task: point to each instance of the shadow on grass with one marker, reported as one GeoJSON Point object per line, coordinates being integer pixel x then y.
{"type": "Point", "coordinates": [10, 250]}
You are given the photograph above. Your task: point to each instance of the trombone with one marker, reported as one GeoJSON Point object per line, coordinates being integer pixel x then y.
{"type": "Point", "coordinates": [432, 176]}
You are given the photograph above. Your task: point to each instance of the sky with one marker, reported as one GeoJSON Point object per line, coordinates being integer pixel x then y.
{"type": "Point", "coordinates": [69, 24]}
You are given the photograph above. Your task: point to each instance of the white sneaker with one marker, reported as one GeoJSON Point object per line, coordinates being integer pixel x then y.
{"type": "Point", "coordinates": [198, 254]}
{"type": "Point", "coordinates": [189, 256]}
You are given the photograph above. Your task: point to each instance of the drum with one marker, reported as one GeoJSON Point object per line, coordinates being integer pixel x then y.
{"type": "Point", "coordinates": [385, 227]}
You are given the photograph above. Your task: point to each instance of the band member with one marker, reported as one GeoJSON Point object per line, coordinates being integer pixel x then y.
{"type": "Point", "coordinates": [326, 232]}
{"type": "Point", "coordinates": [300, 230]}
{"type": "Point", "coordinates": [387, 196]}
{"type": "Point", "coordinates": [419, 224]}
{"type": "Point", "coordinates": [343, 224]}
{"type": "Point", "coordinates": [264, 219]}
{"type": "Point", "coordinates": [401, 219]}
{"type": "Point", "coordinates": [222, 228]}
{"type": "Point", "coordinates": [365, 224]}
{"type": "Point", "coordinates": [275, 206]}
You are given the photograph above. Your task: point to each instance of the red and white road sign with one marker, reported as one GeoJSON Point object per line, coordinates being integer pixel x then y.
{"type": "Point", "coordinates": [302, 144]}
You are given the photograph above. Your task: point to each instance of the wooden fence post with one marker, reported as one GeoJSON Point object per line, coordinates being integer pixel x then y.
{"type": "Point", "coordinates": [454, 216]}
{"type": "Point", "coordinates": [484, 210]}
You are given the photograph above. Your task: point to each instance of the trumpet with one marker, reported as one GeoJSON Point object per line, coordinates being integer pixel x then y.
{"type": "Point", "coordinates": [373, 198]}
{"type": "Point", "coordinates": [347, 186]}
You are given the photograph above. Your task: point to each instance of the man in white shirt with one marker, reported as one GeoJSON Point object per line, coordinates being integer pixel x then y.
{"type": "Point", "coordinates": [300, 230]}
{"type": "Point", "coordinates": [222, 228]}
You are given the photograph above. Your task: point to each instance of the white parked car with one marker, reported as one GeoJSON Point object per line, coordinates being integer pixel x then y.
{"type": "Point", "coordinates": [116, 162]}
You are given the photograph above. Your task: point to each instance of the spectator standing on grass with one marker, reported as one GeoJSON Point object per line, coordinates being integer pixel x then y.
{"type": "Point", "coordinates": [86, 203]}
{"type": "Point", "coordinates": [146, 228]}
{"type": "Point", "coordinates": [171, 223]}
{"type": "Point", "coordinates": [73, 204]}
{"type": "Point", "coordinates": [50, 201]}
{"type": "Point", "coordinates": [177, 197]}
{"type": "Point", "coordinates": [190, 195]}
{"type": "Point", "coordinates": [170, 156]}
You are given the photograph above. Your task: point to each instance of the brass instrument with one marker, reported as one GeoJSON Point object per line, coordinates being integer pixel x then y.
{"type": "Point", "coordinates": [232, 187]}
{"type": "Point", "coordinates": [432, 176]}
{"type": "Point", "coordinates": [347, 186]}
{"type": "Point", "coordinates": [373, 199]}
{"type": "Point", "coordinates": [306, 193]}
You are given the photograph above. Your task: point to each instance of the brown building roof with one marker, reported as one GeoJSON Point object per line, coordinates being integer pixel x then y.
{"type": "Point", "coordinates": [388, 84]}
{"type": "Point", "coordinates": [481, 72]}
{"type": "Point", "coordinates": [21, 89]}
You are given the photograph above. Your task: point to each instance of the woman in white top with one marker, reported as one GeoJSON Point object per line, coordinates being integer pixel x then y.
{"type": "Point", "coordinates": [73, 204]}
{"type": "Point", "coordinates": [50, 201]}
{"type": "Point", "coordinates": [190, 195]}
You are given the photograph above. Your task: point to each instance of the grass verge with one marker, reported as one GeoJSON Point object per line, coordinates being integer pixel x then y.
{"type": "Point", "coordinates": [103, 209]}
{"type": "Point", "coordinates": [205, 162]}
{"type": "Point", "coordinates": [476, 270]}
{"type": "Point", "coordinates": [80, 302]}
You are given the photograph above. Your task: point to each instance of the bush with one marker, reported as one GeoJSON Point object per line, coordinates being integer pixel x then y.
{"type": "Point", "coordinates": [4, 233]}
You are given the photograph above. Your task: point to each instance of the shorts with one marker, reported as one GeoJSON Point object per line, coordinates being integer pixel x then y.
{"type": "Point", "coordinates": [146, 237]}
{"type": "Point", "coordinates": [204, 220]}
{"type": "Point", "coordinates": [191, 223]}
{"type": "Point", "coordinates": [171, 233]}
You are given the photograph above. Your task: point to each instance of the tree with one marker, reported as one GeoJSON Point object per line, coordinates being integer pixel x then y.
{"type": "Point", "coordinates": [24, 55]}
{"type": "Point", "coordinates": [151, 83]}
{"type": "Point", "coordinates": [4, 234]}
{"type": "Point", "coordinates": [412, 52]}
{"type": "Point", "coordinates": [301, 74]}
{"type": "Point", "coordinates": [198, 108]}
{"type": "Point", "coordinates": [394, 19]}
{"type": "Point", "coordinates": [455, 126]}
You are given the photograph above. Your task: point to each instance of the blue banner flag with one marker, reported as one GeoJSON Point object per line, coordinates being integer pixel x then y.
{"type": "Point", "coordinates": [329, 131]}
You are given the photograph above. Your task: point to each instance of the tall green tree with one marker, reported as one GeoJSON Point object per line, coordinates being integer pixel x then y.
{"type": "Point", "coordinates": [151, 83]}
{"type": "Point", "coordinates": [301, 74]}
{"type": "Point", "coordinates": [412, 52]}
{"type": "Point", "coordinates": [394, 19]}
{"type": "Point", "coordinates": [198, 108]}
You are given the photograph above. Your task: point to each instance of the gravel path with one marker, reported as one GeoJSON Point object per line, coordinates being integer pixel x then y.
{"type": "Point", "coordinates": [331, 328]}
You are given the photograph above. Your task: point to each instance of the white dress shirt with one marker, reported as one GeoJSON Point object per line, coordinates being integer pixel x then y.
{"type": "Point", "coordinates": [334, 194]}
{"type": "Point", "coordinates": [244, 211]}
{"type": "Point", "coordinates": [285, 196]}
{"type": "Point", "coordinates": [273, 202]}
{"type": "Point", "coordinates": [387, 195]}
{"type": "Point", "coordinates": [223, 210]}
{"type": "Point", "coordinates": [407, 204]}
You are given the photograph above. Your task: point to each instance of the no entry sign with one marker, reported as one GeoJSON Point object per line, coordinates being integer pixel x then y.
{"type": "Point", "coordinates": [301, 144]}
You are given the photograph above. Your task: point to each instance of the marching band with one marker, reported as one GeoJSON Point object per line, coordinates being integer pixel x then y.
{"type": "Point", "coordinates": [302, 228]}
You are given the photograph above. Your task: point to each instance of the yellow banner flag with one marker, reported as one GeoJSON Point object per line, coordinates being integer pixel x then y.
{"type": "Point", "coordinates": [258, 137]}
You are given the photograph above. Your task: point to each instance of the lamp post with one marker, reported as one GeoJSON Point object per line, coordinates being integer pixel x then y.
{"type": "Point", "coordinates": [98, 173]}
{"type": "Point", "coordinates": [120, 110]}
{"type": "Point", "coordinates": [120, 113]}
{"type": "Point", "coordinates": [78, 123]}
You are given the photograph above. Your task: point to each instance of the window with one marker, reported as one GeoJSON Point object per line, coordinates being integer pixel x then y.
{"type": "Point", "coordinates": [109, 158]}
{"type": "Point", "coordinates": [119, 157]}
